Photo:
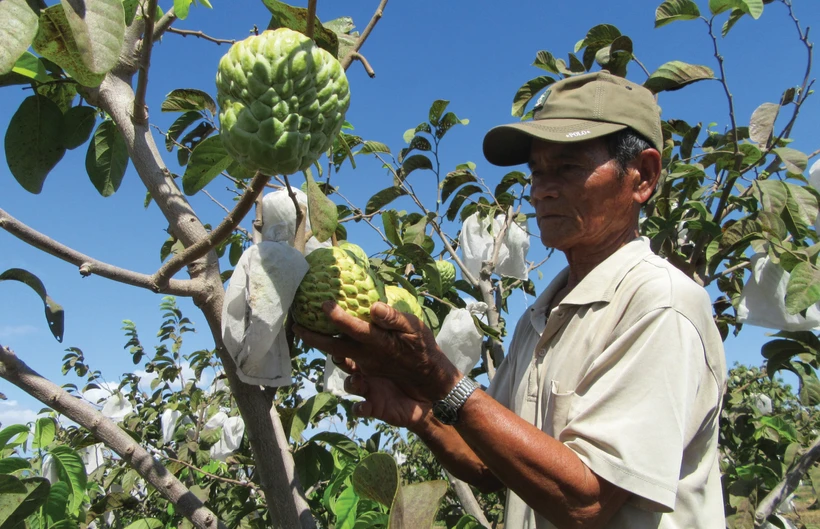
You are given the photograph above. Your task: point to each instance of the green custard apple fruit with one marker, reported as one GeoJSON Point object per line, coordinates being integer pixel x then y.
{"type": "Point", "coordinates": [333, 275]}
{"type": "Point", "coordinates": [356, 250]}
{"type": "Point", "coordinates": [447, 271]}
{"type": "Point", "coordinates": [403, 301]}
{"type": "Point", "coordinates": [282, 101]}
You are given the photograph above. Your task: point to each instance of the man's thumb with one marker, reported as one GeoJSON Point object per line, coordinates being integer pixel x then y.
{"type": "Point", "coordinates": [387, 317]}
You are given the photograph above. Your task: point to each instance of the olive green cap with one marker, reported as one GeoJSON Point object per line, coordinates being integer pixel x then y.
{"type": "Point", "coordinates": [578, 108]}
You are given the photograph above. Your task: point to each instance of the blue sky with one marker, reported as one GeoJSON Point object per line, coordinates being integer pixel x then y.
{"type": "Point", "coordinates": [474, 53]}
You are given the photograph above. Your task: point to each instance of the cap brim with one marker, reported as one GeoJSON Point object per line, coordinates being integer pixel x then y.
{"type": "Point", "coordinates": [507, 145]}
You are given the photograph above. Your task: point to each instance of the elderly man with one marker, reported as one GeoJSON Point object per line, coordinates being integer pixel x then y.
{"type": "Point", "coordinates": [605, 411]}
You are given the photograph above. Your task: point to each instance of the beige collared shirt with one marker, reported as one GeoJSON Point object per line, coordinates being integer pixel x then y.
{"type": "Point", "coordinates": [628, 372]}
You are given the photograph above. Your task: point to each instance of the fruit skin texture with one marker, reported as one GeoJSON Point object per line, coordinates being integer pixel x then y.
{"type": "Point", "coordinates": [403, 301]}
{"type": "Point", "coordinates": [356, 250]}
{"type": "Point", "coordinates": [333, 275]}
{"type": "Point", "coordinates": [282, 101]}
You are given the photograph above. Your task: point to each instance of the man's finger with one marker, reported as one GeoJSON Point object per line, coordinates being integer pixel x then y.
{"type": "Point", "coordinates": [356, 384]}
{"type": "Point", "coordinates": [386, 317]}
{"type": "Point", "coordinates": [345, 364]}
{"type": "Point", "coordinates": [340, 347]}
{"type": "Point", "coordinates": [359, 330]}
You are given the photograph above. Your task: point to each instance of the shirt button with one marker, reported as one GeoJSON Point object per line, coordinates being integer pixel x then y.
{"type": "Point", "coordinates": [542, 352]}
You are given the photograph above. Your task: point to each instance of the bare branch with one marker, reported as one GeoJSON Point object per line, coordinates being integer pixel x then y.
{"type": "Point", "coordinates": [226, 210]}
{"type": "Point", "coordinates": [468, 501]}
{"type": "Point", "coordinates": [367, 68]}
{"type": "Point", "coordinates": [89, 265]}
{"type": "Point", "coordinates": [164, 23]}
{"type": "Point", "coordinates": [788, 485]}
{"type": "Point", "coordinates": [140, 112]}
{"type": "Point", "coordinates": [225, 228]}
{"type": "Point", "coordinates": [348, 59]}
{"type": "Point", "coordinates": [201, 35]}
{"type": "Point", "coordinates": [185, 502]}
{"type": "Point", "coordinates": [212, 476]}
{"type": "Point", "coordinates": [311, 18]}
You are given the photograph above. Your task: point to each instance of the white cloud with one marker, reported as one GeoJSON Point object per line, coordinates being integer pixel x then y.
{"type": "Point", "coordinates": [11, 331]}
{"type": "Point", "coordinates": [11, 412]}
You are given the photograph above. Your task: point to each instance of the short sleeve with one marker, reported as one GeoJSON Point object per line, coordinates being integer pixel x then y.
{"type": "Point", "coordinates": [627, 419]}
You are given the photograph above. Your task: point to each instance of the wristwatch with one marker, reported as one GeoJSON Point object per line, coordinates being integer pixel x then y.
{"type": "Point", "coordinates": [446, 410]}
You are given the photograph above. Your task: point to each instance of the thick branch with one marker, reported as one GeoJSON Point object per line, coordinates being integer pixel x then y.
{"type": "Point", "coordinates": [788, 485]}
{"type": "Point", "coordinates": [140, 112]}
{"type": "Point", "coordinates": [348, 59]}
{"type": "Point", "coordinates": [164, 23]}
{"type": "Point", "coordinates": [223, 231]}
{"type": "Point", "coordinates": [88, 265]}
{"type": "Point", "coordinates": [18, 373]}
{"type": "Point", "coordinates": [311, 18]}
{"type": "Point", "coordinates": [468, 501]}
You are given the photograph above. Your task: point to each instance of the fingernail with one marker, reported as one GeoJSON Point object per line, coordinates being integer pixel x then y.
{"type": "Point", "coordinates": [328, 305]}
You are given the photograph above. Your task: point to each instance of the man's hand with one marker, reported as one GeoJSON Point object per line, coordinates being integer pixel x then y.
{"type": "Point", "coordinates": [386, 401]}
{"type": "Point", "coordinates": [393, 346]}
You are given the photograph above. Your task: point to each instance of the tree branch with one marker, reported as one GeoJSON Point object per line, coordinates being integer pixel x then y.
{"type": "Point", "coordinates": [468, 501]}
{"type": "Point", "coordinates": [201, 35]}
{"type": "Point", "coordinates": [225, 228]}
{"type": "Point", "coordinates": [788, 485]}
{"type": "Point", "coordinates": [140, 114]}
{"type": "Point", "coordinates": [88, 265]}
{"type": "Point", "coordinates": [186, 503]}
{"type": "Point", "coordinates": [367, 68]}
{"type": "Point", "coordinates": [212, 476]}
{"type": "Point", "coordinates": [311, 18]}
{"type": "Point", "coordinates": [348, 59]}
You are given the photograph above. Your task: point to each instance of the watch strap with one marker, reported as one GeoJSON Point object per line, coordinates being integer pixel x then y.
{"type": "Point", "coordinates": [446, 410]}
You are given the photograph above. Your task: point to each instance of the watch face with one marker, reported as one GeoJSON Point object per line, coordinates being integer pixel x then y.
{"type": "Point", "coordinates": [445, 413]}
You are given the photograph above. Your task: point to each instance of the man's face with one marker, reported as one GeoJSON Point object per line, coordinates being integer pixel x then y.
{"type": "Point", "coordinates": [580, 202]}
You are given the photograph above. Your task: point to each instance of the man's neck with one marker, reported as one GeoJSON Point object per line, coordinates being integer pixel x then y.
{"type": "Point", "coordinates": [583, 260]}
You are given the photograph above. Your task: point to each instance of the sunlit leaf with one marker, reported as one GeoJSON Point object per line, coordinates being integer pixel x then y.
{"type": "Point", "coordinates": [762, 123]}
{"type": "Point", "coordinates": [324, 217]}
{"type": "Point", "coordinates": [436, 110]}
{"type": "Point", "coordinates": [295, 18]}
{"type": "Point", "coordinates": [16, 32]}
{"type": "Point", "coordinates": [72, 469]}
{"type": "Point", "coordinates": [674, 75]}
{"type": "Point", "coordinates": [98, 27]}
{"type": "Point", "coordinates": [188, 99]}
{"type": "Point", "coordinates": [672, 10]}
{"type": "Point", "coordinates": [55, 41]}
{"type": "Point", "coordinates": [794, 160]}
{"type": "Point", "coordinates": [45, 430]}
{"type": "Point", "coordinates": [208, 159]}
{"type": "Point", "coordinates": [21, 498]}
{"type": "Point", "coordinates": [528, 91]}
{"type": "Point", "coordinates": [803, 289]}
{"type": "Point", "coordinates": [377, 478]}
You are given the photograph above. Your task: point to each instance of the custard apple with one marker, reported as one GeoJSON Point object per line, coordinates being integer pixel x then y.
{"type": "Point", "coordinates": [447, 271]}
{"type": "Point", "coordinates": [403, 301]}
{"type": "Point", "coordinates": [356, 250]}
{"type": "Point", "coordinates": [333, 275]}
{"type": "Point", "coordinates": [282, 101]}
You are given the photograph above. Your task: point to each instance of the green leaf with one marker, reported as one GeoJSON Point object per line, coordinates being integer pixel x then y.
{"type": "Point", "coordinates": [9, 465]}
{"type": "Point", "coordinates": [436, 110]}
{"type": "Point", "coordinates": [803, 289]}
{"type": "Point", "coordinates": [107, 158]}
{"type": "Point", "coordinates": [740, 232]}
{"type": "Point", "coordinates": [295, 18]}
{"type": "Point", "coordinates": [72, 470]}
{"type": "Point", "coordinates": [28, 67]}
{"type": "Point", "coordinates": [78, 123]}
{"type": "Point", "coordinates": [376, 478]}
{"type": "Point", "coordinates": [417, 161]}
{"type": "Point", "coordinates": [324, 217]}
{"type": "Point", "coordinates": [468, 522]}
{"type": "Point", "coordinates": [54, 311]}
{"type": "Point", "coordinates": [463, 194]}
{"type": "Point", "coordinates": [98, 27]}
{"type": "Point", "coordinates": [338, 441]}
{"type": "Point", "coordinates": [208, 159]}
{"type": "Point", "coordinates": [44, 431]}
{"type": "Point", "coordinates": [528, 91]}
{"type": "Point", "coordinates": [772, 195]}
{"type": "Point", "coordinates": [546, 61]}
{"type": "Point", "coordinates": [382, 198]}
{"type": "Point", "coordinates": [672, 10]}
{"type": "Point", "coordinates": [130, 8]}
{"type": "Point", "coordinates": [57, 503]}
{"type": "Point", "coordinates": [454, 180]}
{"type": "Point", "coordinates": [308, 411]}
{"type": "Point", "coordinates": [801, 204]}
{"type": "Point", "coordinates": [390, 220]}
{"type": "Point", "coordinates": [16, 506]}
{"type": "Point", "coordinates": [55, 41]}
{"type": "Point", "coordinates": [674, 75]}
{"type": "Point", "coordinates": [178, 127]}
{"type": "Point", "coordinates": [345, 509]}
{"type": "Point", "coordinates": [371, 147]}
{"type": "Point", "coordinates": [615, 57]}
{"type": "Point", "coordinates": [416, 505]}
{"type": "Point", "coordinates": [146, 523]}
{"type": "Point", "coordinates": [717, 7]}
{"type": "Point", "coordinates": [32, 142]}
{"type": "Point", "coordinates": [414, 229]}
{"type": "Point", "coordinates": [369, 519]}
{"type": "Point", "coordinates": [752, 7]}
{"type": "Point", "coordinates": [762, 123]}
{"type": "Point", "coordinates": [12, 431]}
{"type": "Point", "coordinates": [736, 15]}
{"type": "Point", "coordinates": [597, 37]}
{"type": "Point", "coordinates": [187, 100]}
{"type": "Point", "coordinates": [313, 463]}
{"type": "Point", "coordinates": [423, 262]}
{"type": "Point", "coordinates": [16, 32]}
{"type": "Point", "coordinates": [181, 8]}
{"type": "Point", "coordinates": [794, 160]}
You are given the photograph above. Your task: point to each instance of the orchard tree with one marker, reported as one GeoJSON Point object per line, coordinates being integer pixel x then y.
{"type": "Point", "coordinates": [733, 210]}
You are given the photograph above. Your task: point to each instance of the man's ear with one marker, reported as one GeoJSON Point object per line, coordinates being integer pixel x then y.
{"type": "Point", "coordinates": [648, 166]}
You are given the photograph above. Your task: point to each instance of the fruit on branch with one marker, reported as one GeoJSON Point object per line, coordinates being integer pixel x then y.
{"type": "Point", "coordinates": [403, 301]}
{"type": "Point", "coordinates": [334, 274]}
{"type": "Point", "coordinates": [282, 101]}
{"type": "Point", "coordinates": [447, 271]}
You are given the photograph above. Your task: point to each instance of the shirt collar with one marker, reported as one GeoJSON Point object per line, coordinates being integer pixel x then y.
{"type": "Point", "coordinates": [599, 285]}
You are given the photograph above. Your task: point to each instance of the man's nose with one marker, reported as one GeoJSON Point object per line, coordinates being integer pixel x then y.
{"type": "Point", "coordinates": [544, 187]}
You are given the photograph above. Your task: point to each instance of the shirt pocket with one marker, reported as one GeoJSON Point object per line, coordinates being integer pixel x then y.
{"type": "Point", "coordinates": [558, 409]}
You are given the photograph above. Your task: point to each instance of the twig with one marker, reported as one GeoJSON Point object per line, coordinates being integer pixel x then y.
{"type": "Point", "coordinates": [164, 23]}
{"type": "Point", "coordinates": [365, 218]}
{"type": "Point", "coordinates": [140, 112]}
{"type": "Point", "coordinates": [348, 59]}
{"type": "Point", "coordinates": [105, 430]}
{"type": "Point", "coordinates": [788, 485]}
{"type": "Point", "coordinates": [728, 271]}
{"type": "Point", "coordinates": [212, 476]}
{"type": "Point", "coordinates": [311, 17]}
{"type": "Point", "coordinates": [88, 265]}
{"type": "Point", "coordinates": [367, 68]}
{"type": "Point", "coordinates": [225, 228]}
{"type": "Point", "coordinates": [226, 210]}
{"type": "Point", "coordinates": [641, 65]}
{"type": "Point", "coordinates": [201, 35]}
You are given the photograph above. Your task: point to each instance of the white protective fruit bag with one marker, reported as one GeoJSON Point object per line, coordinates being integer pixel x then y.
{"type": "Point", "coordinates": [476, 241]}
{"type": "Point", "coordinates": [763, 300]}
{"type": "Point", "coordinates": [260, 294]}
{"type": "Point", "coordinates": [232, 431]}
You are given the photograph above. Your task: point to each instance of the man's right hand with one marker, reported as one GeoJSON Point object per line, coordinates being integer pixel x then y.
{"type": "Point", "coordinates": [385, 400]}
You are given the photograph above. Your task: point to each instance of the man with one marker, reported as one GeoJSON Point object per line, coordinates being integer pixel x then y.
{"type": "Point", "coordinates": [605, 411]}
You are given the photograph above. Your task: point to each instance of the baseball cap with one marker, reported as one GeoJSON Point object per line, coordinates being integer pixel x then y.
{"type": "Point", "coordinates": [578, 108]}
